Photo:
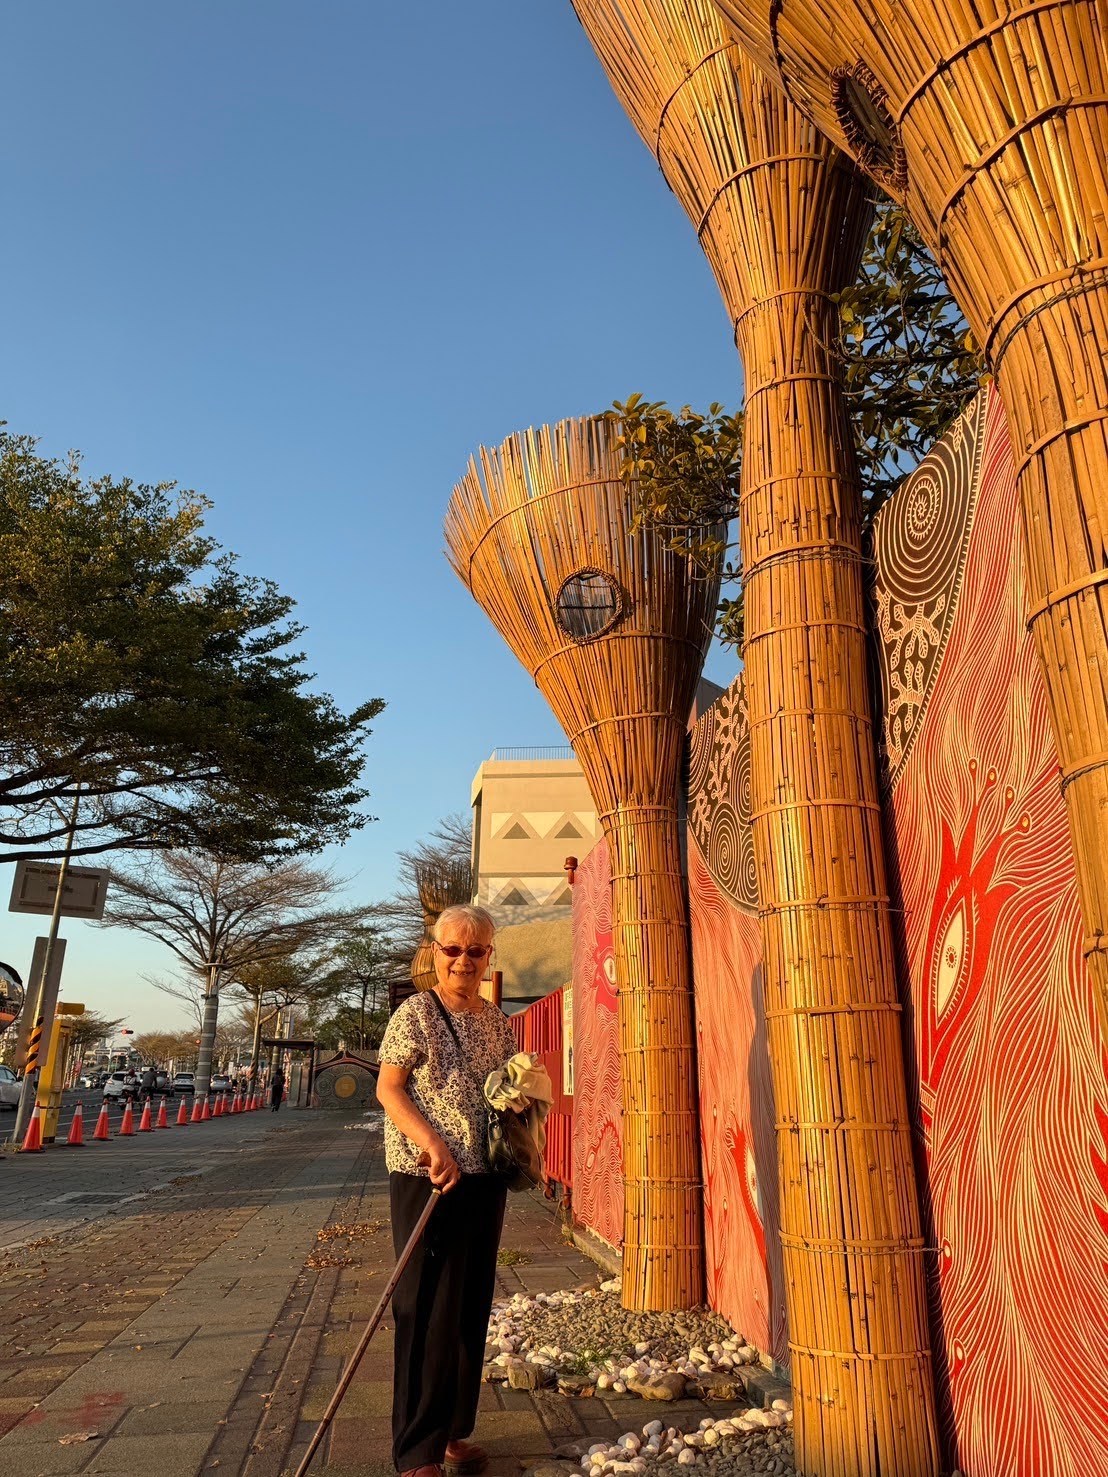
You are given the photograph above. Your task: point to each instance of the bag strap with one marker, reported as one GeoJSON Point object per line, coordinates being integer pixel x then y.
{"type": "Point", "coordinates": [450, 1027]}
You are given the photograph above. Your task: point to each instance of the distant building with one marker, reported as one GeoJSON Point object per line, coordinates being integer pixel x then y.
{"type": "Point", "coordinates": [531, 809]}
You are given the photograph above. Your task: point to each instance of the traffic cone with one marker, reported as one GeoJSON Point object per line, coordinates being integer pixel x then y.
{"type": "Point", "coordinates": [205, 1111]}
{"type": "Point", "coordinates": [163, 1121]}
{"type": "Point", "coordinates": [101, 1129]}
{"type": "Point", "coordinates": [196, 1113]}
{"type": "Point", "coordinates": [76, 1137]}
{"type": "Point", "coordinates": [218, 1106]}
{"type": "Point", "coordinates": [182, 1114]}
{"type": "Point", "coordinates": [236, 1103]}
{"type": "Point", "coordinates": [32, 1142]}
{"type": "Point", "coordinates": [145, 1124]}
{"type": "Point", "coordinates": [127, 1127]}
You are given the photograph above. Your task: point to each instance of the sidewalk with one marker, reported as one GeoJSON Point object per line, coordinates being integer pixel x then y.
{"type": "Point", "coordinates": [205, 1329]}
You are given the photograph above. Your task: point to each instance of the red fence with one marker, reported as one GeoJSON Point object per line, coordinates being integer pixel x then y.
{"type": "Point", "coordinates": [539, 1029]}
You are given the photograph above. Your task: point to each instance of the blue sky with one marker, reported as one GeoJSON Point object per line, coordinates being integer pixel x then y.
{"type": "Point", "coordinates": [304, 258]}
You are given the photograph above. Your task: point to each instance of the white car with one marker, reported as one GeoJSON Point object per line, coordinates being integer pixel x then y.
{"type": "Point", "coordinates": [10, 1087]}
{"type": "Point", "coordinates": [121, 1085]}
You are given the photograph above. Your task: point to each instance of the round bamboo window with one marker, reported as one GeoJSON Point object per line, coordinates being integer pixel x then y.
{"type": "Point", "coordinates": [588, 604]}
{"type": "Point", "coordinates": [861, 106]}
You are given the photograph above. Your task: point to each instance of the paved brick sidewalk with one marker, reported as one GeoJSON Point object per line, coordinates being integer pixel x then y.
{"type": "Point", "coordinates": [205, 1329]}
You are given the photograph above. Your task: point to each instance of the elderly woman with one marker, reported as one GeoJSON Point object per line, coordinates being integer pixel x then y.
{"type": "Point", "coordinates": [436, 1135]}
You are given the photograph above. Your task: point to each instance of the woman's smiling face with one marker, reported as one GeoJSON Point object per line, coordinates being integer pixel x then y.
{"type": "Point", "coordinates": [463, 974]}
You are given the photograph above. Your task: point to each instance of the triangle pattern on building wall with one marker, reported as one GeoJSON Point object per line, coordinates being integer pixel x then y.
{"type": "Point", "coordinates": [516, 833]}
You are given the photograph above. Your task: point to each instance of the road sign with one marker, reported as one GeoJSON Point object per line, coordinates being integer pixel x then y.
{"type": "Point", "coordinates": [35, 886]}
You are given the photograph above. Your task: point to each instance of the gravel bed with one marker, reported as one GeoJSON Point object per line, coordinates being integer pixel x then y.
{"type": "Point", "coordinates": [585, 1340]}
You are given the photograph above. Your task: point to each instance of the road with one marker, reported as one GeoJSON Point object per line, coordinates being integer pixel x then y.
{"type": "Point", "coordinates": [90, 1099]}
{"type": "Point", "coordinates": [46, 1194]}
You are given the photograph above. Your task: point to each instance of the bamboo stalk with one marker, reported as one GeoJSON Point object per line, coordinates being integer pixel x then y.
{"type": "Point", "coordinates": [541, 510]}
{"type": "Point", "coordinates": [1002, 114]}
{"type": "Point", "coordinates": [782, 218]}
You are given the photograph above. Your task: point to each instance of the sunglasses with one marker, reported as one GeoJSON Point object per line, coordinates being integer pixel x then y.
{"type": "Point", "coordinates": [455, 951]}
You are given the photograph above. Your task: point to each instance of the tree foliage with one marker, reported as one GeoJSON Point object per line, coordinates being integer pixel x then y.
{"type": "Point", "coordinates": [235, 914]}
{"type": "Point", "coordinates": [910, 366]}
{"type": "Point", "coordinates": [142, 668]}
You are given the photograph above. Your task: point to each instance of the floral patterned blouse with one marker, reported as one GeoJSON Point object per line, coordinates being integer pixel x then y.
{"type": "Point", "coordinates": [447, 1090]}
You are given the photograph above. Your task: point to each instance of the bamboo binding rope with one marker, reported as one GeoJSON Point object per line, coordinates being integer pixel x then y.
{"type": "Point", "coordinates": [782, 218]}
{"type": "Point", "coordinates": [440, 885]}
{"type": "Point", "coordinates": [989, 120]}
{"type": "Point", "coordinates": [614, 628]}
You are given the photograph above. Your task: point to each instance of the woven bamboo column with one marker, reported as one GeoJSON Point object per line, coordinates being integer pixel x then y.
{"type": "Point", "coordinates": [614, 628]}
{"type": "Point", "coordinates": [782, 218]}
{"type": "Point", "coordinates": [989, 119]}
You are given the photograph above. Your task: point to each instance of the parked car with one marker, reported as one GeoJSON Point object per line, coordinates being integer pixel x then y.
{"type": "Point", "coordinates": [121, 1087]}
{"type": "Point", "coordinates": [184, 1082]}
{"type": "Point", "coordinates": [222, 1083]}
{"type": "Point", "coordinates": [10, 1087]}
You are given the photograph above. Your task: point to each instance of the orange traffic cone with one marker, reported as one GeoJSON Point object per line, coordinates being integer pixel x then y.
{"type": "Point", "coordinates": [196, 1113]}
{"type": "Point", "coordinates": [163, 1121]}
{"type": "Point", "coordinates": [127, 1127]}
{"type": "Point", "coordinates": [101, 1129]}
{"type": "Point", "coordinates": [218, 1106]}
{"type": "Point", "coordinates": [182, 1114]}
{"type": "Point", "coordinates": [145, 1123]}
{"type": "Point", "coordinates": [205, 1111]}
{"type": "Point", "coordinates": [236, 1103]}
{"type": "Point", "coordinates": [32, 1142]}
{"type": "Point", "coordinates": [77, 1129]}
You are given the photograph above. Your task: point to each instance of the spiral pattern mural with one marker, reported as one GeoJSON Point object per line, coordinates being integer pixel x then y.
{"type": "Point", "coordinates": [920, 546]}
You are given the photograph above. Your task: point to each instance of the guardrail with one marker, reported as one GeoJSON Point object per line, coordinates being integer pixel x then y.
{"type": "Point", "coordinates": [547, 751]}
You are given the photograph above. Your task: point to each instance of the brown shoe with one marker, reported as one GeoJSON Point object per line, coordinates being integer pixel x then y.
{"type": "Point", "coordinates": [463, 1459]}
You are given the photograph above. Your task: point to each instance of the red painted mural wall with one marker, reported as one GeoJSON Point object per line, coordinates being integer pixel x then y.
{"type": "Point", "coordinates": [597, 1090]}
{"type": "Point", "coordinates": [739, 1157]}
{"type": "Point", "coordinates": [1011, 1074]}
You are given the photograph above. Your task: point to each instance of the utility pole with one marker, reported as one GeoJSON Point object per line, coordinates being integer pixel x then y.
{"type": "Point", "coordinates": [38, 1024]}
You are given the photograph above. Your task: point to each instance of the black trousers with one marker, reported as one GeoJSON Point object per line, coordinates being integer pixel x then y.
{"type": "Point", "coordinates": [441, 1312]}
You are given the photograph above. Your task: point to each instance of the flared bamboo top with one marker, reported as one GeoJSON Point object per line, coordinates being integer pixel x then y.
{"type": "Point", "coordinates": [757, 180]}
{"type": "Point", "coordinates": [612, 624]}
{"type": "Point", "coordinates": [986, 117]}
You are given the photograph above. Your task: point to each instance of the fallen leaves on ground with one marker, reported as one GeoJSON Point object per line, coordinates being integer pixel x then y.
{"type": "Point", "coordinates": [75, 1436]}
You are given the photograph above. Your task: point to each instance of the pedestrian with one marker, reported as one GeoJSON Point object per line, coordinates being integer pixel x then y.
{"type": "Point", "coordinates": [436, 1134]}
{"type": "Point", "coordinates": [276, 1089]}
{"type": "Point", "coordinates": [149, 1083]}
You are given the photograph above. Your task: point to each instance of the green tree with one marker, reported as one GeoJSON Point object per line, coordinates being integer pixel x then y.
{"type": "Point", "coordinates": [140, 668]}
{"type": "Point", "coordinates": [352, 1000]}
{"type": "Point", "coordinates": [910, 366]}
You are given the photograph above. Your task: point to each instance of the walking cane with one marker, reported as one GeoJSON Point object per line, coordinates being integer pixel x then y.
{"type": "Point", "coordinates": [370, 1330]}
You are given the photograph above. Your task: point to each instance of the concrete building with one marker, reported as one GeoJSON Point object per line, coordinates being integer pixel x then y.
{"type": "Point", "coordinates": [531, 809]}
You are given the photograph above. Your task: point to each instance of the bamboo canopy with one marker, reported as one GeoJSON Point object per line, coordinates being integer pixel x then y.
{"type": "Point", "coordinates": [782, 217]}
{"type": "Point", "coordinates": [440, 885]}
{"type": "Point", "coordinates": [614, 628]}
{"type": "Point", "coordinates": [989, 120]}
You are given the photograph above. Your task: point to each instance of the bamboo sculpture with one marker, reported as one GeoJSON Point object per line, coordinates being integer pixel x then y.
{"type": "Point", "coordinates": [614, 627]}
{"type": "Point", "coordinates": [782, 218]}
{"type": "Point", "coordinates": [440, 885]}
{"type": "Point", "coordinates": [989, 120]}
